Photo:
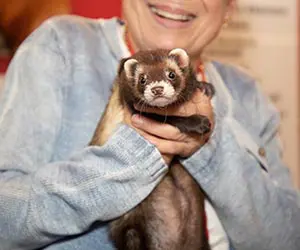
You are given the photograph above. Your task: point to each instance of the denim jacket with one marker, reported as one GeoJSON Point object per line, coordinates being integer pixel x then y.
{"type": "Point", "coordinates": [57, 192]}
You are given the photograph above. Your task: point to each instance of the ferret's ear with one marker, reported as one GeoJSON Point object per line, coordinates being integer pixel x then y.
{"type": "Point", "coordinates": [128, 65]}
{"type": "Point", "coordinates": [121, 65]}
{"type": "Point", "coordinates": [180, 56]}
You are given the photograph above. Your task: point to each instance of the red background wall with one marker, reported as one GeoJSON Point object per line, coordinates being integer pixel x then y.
{"type": "Point", "coordinates": [96, 8]}
{"type": "Point", "coordinates": [86, 8]}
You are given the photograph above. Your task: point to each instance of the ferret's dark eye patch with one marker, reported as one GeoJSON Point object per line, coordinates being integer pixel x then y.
{"type": "Point", "coordinates": [171, 75]}
{"type": "Point", "coordinates": [142, 79]}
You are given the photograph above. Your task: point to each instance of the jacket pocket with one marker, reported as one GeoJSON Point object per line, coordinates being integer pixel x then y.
{"type": "Point", "coordinates": [246, 141]}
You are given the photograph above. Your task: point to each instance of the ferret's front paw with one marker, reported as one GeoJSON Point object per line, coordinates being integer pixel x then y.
{"type": "Point", "coordinates": [193, 124]}
{"type": "Point", "coordinates": [207, 88]}
{"type": "Point", "coordinates": [204, 125]}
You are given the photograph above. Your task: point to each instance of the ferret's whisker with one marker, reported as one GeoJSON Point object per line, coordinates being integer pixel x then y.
{"type": "Point", "coordinates": [166, 116]}
{"type": "Point", "coordinates": [139, 102]}
{"type": "Point", "coordinates": [181, 100]}
{"type": "Point", "coordinates": [144, 105]}
{"type": "Point", "coordinates": [141, 109]}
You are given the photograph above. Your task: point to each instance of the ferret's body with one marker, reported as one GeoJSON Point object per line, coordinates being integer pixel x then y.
{"type": "Point", "coordinates": [171, 217]}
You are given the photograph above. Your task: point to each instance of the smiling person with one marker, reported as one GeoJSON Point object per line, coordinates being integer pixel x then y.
{"type": "Point", "coordinates": [58, 193]}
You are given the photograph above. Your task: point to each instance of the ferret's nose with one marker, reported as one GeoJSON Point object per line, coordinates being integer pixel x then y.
{"type": "Point", "coordinates": [157, 90]}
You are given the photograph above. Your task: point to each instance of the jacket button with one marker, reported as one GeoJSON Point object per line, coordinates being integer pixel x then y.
{"type": "Point", "coordinates": [262, 152]}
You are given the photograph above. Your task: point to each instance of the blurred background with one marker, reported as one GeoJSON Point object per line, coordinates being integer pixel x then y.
{"type": "Point", "coordinates": [262, 37]}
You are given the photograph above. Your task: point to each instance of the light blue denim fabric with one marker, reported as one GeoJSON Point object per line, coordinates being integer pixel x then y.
{"type": "Point", "coordinates": [53, 186]}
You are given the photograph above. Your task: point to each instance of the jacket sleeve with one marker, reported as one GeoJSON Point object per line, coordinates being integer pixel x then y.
{"type": "Point", "coordinates": [42, 200]}
{"type": "Point", "coordinates": [252, 194]}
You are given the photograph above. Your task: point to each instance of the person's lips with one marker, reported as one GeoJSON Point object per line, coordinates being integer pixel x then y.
{"type": "Point", "coordinates": [171, 17]}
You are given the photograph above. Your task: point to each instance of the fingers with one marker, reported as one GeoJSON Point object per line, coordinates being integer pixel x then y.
{"type": "Point", "coordinates": [167, 147]}
{"type": "Point", "coordinates": [158, 129]}
{"type": "Point", "coordinates": [167, 138]}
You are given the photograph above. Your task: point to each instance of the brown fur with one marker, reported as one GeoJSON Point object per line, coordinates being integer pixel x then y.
{"type": "Point", "coordinates": [171, 217]}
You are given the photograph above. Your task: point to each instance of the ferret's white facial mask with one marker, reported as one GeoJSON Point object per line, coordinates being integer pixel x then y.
{"type": "Point", "coordinates": [167, 96]}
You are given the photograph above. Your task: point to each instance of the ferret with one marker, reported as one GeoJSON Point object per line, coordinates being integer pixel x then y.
{"type": "Point", "coordinates": [172, 216]}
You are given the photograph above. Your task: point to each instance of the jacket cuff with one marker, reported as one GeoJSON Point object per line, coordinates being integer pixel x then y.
{"type": "Point", "coordinates": [204, 163]}
{"type": "Point", "coordinates": [132, 149]}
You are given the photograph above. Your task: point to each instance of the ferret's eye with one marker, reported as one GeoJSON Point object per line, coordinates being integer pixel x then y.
{"type": "Point", "coordinates": [171, 75]}
{"type": "Point", "coordinates": [142, 80]}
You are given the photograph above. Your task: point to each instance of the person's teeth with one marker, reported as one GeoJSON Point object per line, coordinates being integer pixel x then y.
{"type": "Point", "coordinates": [176, 17]}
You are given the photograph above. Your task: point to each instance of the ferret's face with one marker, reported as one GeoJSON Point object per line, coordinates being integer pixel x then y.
{"type": "Point", "coordinates": [158, 84]}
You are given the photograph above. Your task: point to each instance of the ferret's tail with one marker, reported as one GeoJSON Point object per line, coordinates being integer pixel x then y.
{"type": "Point", "coordinates": [129, 233]}
{"type": "Point", "coordinates": [130, 239]}
{"type": "Point", "coordinates": [134, 240]}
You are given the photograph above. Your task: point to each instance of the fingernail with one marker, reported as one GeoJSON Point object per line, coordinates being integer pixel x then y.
{"type": "Point", "coordinates": [136, 119]}
{"type": "Point", "coordinates": [182, 109]}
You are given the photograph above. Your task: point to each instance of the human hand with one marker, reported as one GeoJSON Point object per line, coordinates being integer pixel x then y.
{"type": "Point", "coordinates": [167, 138]}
